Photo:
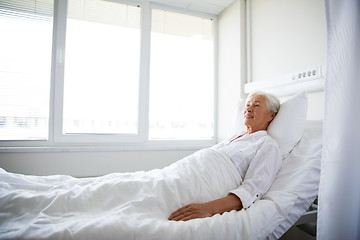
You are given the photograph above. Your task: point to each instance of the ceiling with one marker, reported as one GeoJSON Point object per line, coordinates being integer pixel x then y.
{"type": "Point", "coordinates": [207, 6]}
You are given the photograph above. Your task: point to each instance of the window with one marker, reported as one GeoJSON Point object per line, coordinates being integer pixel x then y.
{"type": "Point", "coordinates": [181, 77]}
{"type": "Point", "coordinates": [25, 69]}
{"type": "Point", "coordinates": [101, 68]}
{"type": "Point", "coordinates": [116, 71]}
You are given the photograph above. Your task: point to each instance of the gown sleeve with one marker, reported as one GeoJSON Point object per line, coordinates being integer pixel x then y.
{"type": "Point", "coordinates": [260, 174]}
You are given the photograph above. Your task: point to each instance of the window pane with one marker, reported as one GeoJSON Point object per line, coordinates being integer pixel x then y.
{"type": "Point", "coordinates": [181, 77]}
{"type": "Point", "coordinates": [25, 69]}
{"type": "Point", "coordinates": [101, 89]}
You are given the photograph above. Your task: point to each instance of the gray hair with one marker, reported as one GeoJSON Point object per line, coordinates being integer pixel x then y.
{"type": "Point", "coordinates": [272, 101]}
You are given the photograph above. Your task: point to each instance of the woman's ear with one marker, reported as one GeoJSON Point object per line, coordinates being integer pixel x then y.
{"type": "Point", "coordinates": [273, 115]}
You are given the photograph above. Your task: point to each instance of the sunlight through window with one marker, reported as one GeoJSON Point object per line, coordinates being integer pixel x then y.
{"type": "Point", "coordinates": [181, 77]}
{"type": "Point", "coordinates": [25, 69]}
{"type": "Point", "coordinates": [101, 68]}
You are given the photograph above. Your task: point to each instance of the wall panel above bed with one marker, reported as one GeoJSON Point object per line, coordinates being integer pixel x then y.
{"type": "Point", "coordinates": [288, 37]}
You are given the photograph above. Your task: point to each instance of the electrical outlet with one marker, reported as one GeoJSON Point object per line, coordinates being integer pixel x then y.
{"type": "Point", "coordinates": [308, 74]}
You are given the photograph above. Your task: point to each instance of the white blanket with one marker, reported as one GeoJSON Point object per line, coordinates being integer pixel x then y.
{"type": "Point", "coordinates": [130, 205]}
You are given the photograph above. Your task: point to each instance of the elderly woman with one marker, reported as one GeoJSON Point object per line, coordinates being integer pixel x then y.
{"type": "Point", "coordinates": [255, 155]}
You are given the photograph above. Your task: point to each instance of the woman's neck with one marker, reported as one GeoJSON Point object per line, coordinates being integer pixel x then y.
{"type": "Point", "coordinates": [250, 130]}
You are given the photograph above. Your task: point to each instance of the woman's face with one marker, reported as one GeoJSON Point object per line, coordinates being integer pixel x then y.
{"type": "Point", "coordinates": [256, 115]}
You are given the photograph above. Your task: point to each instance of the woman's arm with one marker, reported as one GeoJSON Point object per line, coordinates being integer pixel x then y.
{"type": "Point", "coordinates": [208, 209]}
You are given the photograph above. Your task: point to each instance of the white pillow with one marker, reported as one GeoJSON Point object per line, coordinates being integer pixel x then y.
{"type": "Point", "coordinates": [288, 125]}
{"type": "Point", "coordinates": [237, 124]}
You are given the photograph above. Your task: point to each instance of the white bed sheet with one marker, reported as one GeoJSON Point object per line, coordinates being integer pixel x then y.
{"type": "Point", "coordinates": [299, 176]}
{"type": "Point", "coordinates": [137, 205]}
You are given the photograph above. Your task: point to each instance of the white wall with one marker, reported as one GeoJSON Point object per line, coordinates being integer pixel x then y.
{"type": "Point", "coordinates": [288, 36]}
{"type": "Point", "coordinates": [84, 164]}
{"type": "Point", "coordinates": [230, 60]}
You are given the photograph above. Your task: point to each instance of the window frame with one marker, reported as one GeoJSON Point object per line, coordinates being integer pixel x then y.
{"type": "Point", "coordinates": [61, 20]}
{"type": "Point", "coordinates": [57, 141]}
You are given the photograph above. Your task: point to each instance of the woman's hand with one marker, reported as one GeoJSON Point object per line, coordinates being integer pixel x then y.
{"type": "Point", "coordinates": [202, 210]}
{"type": "Point", "coordinates": [192, 211]}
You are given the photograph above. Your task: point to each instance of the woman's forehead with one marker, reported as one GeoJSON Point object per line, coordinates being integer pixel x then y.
{"type": "Point", "coordinates": [257, 98]}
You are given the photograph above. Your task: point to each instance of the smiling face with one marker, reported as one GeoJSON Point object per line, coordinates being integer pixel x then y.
{"type": "Point", "coordinates": [256, 114]}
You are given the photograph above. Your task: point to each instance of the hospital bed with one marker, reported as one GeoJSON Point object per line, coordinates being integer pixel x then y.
{"type": "Point", "coordinates": [136, 205]}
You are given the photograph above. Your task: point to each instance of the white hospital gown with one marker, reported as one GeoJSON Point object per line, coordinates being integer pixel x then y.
{"type": "Point", "coordinates": [258, 159]}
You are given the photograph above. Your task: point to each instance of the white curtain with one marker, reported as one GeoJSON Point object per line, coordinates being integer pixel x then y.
{"type": "Point", "coordinates": [339, 192]}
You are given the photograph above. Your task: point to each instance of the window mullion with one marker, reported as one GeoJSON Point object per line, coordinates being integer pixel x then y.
{"type": "Point", "coordinates": [144, 85]}
{"type": "Point", "coordinates": [60, 14]}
